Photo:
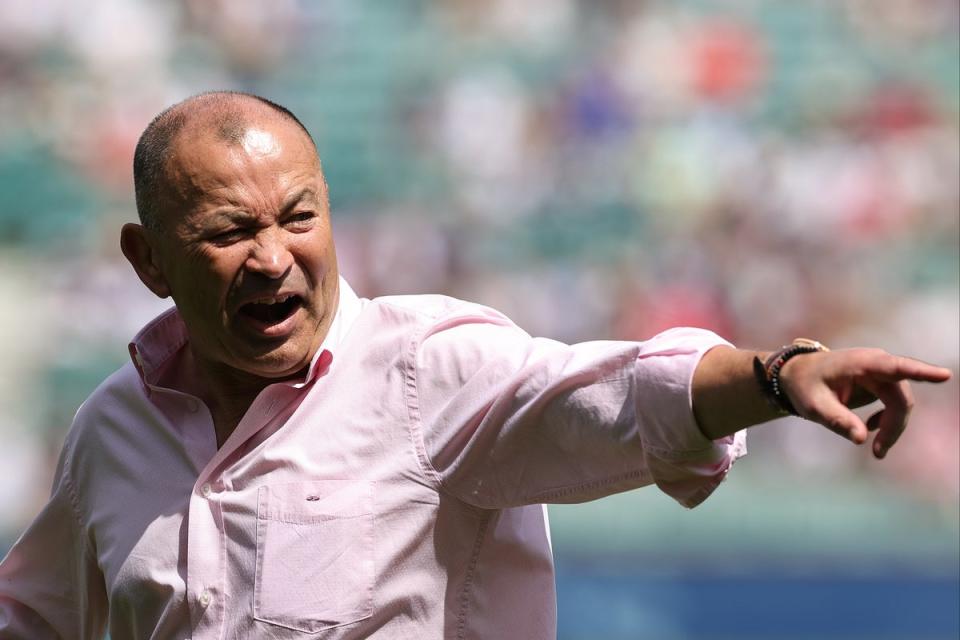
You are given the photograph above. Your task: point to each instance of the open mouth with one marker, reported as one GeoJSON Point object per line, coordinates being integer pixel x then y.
{"type": "Point", "coordinates": [272, 310]}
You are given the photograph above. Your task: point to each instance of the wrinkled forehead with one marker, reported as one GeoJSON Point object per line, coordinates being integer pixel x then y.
{"type": "Point", "coordinates": [209, 160]}
{"type": "Point", "coordinates": [254, 130]}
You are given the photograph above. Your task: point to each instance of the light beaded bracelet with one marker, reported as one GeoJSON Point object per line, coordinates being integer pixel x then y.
{"type": "Point", "coordinates": [768, 373]}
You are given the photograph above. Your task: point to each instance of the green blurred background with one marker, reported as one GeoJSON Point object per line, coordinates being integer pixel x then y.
{"type": "Point", "coordinates": [595, 169]}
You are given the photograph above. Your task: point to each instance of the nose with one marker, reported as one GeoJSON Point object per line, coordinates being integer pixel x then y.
{"type": "Point", "coordinates": [269, 256]}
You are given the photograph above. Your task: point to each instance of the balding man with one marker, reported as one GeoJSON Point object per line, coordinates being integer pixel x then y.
{"type": "Point", "coordinates": [283, 459]}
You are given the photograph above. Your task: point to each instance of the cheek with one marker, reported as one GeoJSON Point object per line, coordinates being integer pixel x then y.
{"type": "Point", "coordinates": [208, 277]}
{"type": "Point", "coordinates": [225, 262]}
{"type": "Point", "coordinates": [317, 257]}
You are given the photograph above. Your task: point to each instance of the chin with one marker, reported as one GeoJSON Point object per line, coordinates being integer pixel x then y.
{"type": "Point", "coordinates": [281, 363]}
{"type": "Point", "coordinates": [282, 369]}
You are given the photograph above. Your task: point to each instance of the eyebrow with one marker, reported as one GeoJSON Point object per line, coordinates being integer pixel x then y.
{"type": "Point", "coordinates": [241, 216]}
{"type": "Point", "coordinates": [298, 197]}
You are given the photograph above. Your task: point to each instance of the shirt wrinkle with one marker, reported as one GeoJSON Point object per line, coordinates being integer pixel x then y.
{"type": "Point", "coordinates": [409, 462]}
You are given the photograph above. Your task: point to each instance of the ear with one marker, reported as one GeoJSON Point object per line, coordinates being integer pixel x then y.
{"type": "Point", "coordinates": [139, 249]}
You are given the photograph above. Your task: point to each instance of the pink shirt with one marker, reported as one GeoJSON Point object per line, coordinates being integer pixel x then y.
{"type": "Point", "coordinates": [396, 492]}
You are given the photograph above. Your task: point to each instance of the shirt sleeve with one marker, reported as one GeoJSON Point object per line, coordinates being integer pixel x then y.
{"type": "Point", "coordinates": [505, 419]}
{"type": "Point", "coordinates": [50, 584]}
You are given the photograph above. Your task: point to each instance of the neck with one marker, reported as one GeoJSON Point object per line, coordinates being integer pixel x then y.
{"type": "Point", "coordinates": [227, 392]}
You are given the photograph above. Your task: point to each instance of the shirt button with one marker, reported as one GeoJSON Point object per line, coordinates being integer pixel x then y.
{"type": "Point", "coordinates": [193, 405]}
{"type": "Point", "coordinates": [205, 598]}
{"type": "Point", "coordinates": [206, 490]}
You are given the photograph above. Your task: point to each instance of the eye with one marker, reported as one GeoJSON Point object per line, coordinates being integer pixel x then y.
{"type": "Point", "coordinates": [301, 219]}
{"type": "Point", "coordinates": [227, 237]}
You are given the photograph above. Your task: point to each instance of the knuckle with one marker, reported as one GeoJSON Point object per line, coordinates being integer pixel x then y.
{"type": "Point", "coordinates": [901, 364]}
{"type": "Point", "coordinates": [880, 358]}
{"type": "Point", "coordinates": [871, 353]}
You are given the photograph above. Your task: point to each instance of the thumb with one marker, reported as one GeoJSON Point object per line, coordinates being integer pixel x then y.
{"type": "Point", "coordinates": [827, 410]}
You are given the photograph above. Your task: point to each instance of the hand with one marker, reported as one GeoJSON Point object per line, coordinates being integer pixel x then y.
{"type": "Point", "coordinates": [823, 386]}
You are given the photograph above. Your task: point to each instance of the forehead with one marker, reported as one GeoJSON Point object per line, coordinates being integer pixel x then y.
{"type": "Point", "coordinates": [208, 161]}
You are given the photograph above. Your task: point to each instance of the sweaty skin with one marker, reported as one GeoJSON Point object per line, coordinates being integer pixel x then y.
{"type": "Point", "coordinates": [257, 142]}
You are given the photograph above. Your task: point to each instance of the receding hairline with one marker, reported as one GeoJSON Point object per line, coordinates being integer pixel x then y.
{"type": "Point", "coordinates": [227, 115]}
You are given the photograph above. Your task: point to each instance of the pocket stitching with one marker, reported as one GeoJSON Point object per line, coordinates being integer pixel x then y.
{"type": "Point", "coordinates": [364, 606]}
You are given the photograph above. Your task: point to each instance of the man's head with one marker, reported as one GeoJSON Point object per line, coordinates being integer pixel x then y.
{"type": "Point", "coordinates": [236, 229]}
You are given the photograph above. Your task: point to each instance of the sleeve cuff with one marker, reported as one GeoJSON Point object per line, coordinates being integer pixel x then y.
{"type": "Point", "coordinates": [684, 463]}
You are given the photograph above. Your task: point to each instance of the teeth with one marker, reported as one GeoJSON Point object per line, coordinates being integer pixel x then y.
{"type": "Point", "coordinates": [273, 299]}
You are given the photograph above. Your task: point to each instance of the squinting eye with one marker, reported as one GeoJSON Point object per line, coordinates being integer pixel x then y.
{"type": "Point", "coordinates": [301, 217]}
{"type": "Point", "coordinates": [227, 236]}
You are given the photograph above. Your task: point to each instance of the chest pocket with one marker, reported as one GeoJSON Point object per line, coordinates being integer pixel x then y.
{"type": "Point", "coordinates": [314, 554]}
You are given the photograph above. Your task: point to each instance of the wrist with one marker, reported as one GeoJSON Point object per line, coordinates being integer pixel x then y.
{"type": "Point", "coordinates": [768, 370]}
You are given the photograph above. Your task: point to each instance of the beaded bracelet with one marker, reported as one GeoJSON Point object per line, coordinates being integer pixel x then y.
{"type": "Point", "coordinates": [768, 373]}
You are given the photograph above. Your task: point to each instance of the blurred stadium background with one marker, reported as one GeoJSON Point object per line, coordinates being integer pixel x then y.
{"type": "Point", "coordinates": [594, 168]}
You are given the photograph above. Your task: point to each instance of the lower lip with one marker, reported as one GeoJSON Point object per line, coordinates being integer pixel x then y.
{"type": "Point", "coordinates": [280, 329]}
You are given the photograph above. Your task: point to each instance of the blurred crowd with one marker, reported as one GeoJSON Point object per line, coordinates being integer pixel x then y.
{"type": "Point", "coordinates": [593, 168]}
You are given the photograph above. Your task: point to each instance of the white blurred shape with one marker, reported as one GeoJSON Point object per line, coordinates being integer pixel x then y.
{"type": "Point", "coordinates": [120, 36]}
{"type": "Point", "coordinates": [483, 124]}
{"type": "Point", "coordinates": [25, 25]}
{"type": "Point", "coordinates": [534, 22]}
{"type": "Point", "coordinates": [24, 466]}
{"type": "Point", "coordinates": [926, 327]}
{"type": "Point", "coordinates": [485, 132]}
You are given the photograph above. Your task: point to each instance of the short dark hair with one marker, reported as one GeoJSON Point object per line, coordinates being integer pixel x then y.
{"type": "Point", "coordinates": [153, 148]}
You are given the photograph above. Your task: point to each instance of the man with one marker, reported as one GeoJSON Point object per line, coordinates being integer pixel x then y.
{"type": "Point", "coordinates": [284, 459]}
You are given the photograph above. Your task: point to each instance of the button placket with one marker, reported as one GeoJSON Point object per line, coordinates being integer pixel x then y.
{"type": "Point", "coordinates": [205, 555]}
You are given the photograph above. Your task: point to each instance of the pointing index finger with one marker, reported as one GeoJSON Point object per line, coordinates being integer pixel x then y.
{"type": "Point", "coordinates": [893, 368]}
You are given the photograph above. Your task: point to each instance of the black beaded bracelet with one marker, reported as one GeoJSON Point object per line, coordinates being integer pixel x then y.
{"type": "Point", "coordinates": [768, 373]}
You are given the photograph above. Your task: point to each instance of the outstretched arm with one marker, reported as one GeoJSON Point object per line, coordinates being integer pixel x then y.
{"type": "Point", "coordinates": [822, 386]}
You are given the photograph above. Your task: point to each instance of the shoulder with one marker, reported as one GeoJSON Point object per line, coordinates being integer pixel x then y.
{"type": "Point", "coordinates": [427, 308]}
{"type": "Point", "coordinates": [115, 402]}
{"type": "Point", "coordinates": [119, 389]}
{"type": "Point", "coordinates": [452, 339]}
{"type": "Point", "coordinates": [437, 319]}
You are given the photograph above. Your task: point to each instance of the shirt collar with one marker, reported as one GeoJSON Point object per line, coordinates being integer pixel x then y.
{"type": "Point", "coordinates": [166, 334]}
{"type": "Point", "coordinates": [348, 308]}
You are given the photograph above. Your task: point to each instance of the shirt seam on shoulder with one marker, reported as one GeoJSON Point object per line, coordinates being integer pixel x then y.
{"type": "Point", "coordinates": [454, 307]}
{"type": "Point", "coordinates": [413, 310]}
{"type": "Point", "coordinates": [415, 423]}
{"type": "Point", "coordinates": [414, 420]}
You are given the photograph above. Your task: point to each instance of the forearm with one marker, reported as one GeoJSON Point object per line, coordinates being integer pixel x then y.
{"type": "Point", "coordinates": [726, 395]}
